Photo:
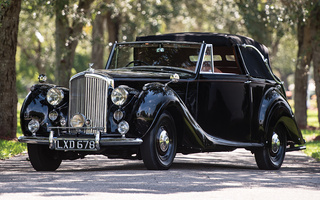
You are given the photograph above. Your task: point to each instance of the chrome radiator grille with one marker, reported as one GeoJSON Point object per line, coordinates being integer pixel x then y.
{"type": "Point", "coordinates": [88, 96]}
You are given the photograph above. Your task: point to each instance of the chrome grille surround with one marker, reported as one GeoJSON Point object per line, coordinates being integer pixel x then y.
{"type": "Point", "coordinates": [89, 96]}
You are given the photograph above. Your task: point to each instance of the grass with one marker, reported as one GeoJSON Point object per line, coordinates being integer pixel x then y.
{"type": "Point", "coordinates": [313, 147]}
{"type": "Point", "coordinates": [12, 147]}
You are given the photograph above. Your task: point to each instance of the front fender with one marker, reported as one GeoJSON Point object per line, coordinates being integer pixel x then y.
{"type": "Point", "coordinates": [35, 106]}
{"type": "Point", "coordinates": [276, 109]}
{"type": "Point", "coordinates": [153, 100]}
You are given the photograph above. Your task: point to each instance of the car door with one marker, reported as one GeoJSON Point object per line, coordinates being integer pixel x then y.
{"type": "Point", "coordinates": [224, 103]}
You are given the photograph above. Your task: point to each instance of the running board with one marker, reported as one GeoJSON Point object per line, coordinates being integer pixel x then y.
{"type": "Point", "coordinates": [296, 148]}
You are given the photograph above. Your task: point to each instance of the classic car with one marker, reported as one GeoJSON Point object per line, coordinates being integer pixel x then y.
{"type": "Point", "coordinates": [161, 95]}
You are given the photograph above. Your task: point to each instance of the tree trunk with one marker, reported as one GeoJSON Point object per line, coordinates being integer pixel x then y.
{"type": "Point", "coordinates": [316, 67]}
{"type": "Point", "coordinates": [9, 21]}
{"type": "Point", "coordinates": [302, 72]}
{"type": "Point", "coordinates": [316, 52]}
{"type": "Point", "coordinates": [67, 37]}
{"type": "Point", "coordinates": [97, 54]}
{"type": "Point", "coordinates": [113, 26]}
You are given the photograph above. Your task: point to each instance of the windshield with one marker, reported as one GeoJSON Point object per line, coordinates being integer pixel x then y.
{"type": "Point", "coordinates": [176, 55]}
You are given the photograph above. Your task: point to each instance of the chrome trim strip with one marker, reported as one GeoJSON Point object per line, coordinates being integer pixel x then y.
{"type": "Point", "coordinates": [100, 141]}
{"type": "Point", "coordinates": [120, 141]}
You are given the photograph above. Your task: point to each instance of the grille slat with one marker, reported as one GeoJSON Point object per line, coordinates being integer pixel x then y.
{"type": "Point", "coordinates": [88, 96]}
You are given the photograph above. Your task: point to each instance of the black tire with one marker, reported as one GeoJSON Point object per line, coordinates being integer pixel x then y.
{"type": "Point", "coordinates": [272, 155]}
{"type": "Point", "coordinates": [42, 158]}
{"type": "Point", "coordinates": [158, 149]}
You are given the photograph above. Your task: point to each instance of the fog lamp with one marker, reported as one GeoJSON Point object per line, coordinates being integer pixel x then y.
{"type": "Point", "coordinates": [77, 120]}
{"type": "Point", "coordinates": [33, 126]}
{"type": "Point", "coordinates": [53, 115]}
{"type": "Point", "coordinates": [118, 115]}
{"type": "Point", "coordinates": [123, 127]}
{"type": "Point", "coordinates": [63, 121]}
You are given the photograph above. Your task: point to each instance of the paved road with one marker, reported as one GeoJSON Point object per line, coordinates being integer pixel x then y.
{"type": "Point", "coordinates": [231, 175]}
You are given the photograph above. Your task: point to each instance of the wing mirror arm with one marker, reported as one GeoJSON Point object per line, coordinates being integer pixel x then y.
{"type": "Point", "coordinates": [174, 78]}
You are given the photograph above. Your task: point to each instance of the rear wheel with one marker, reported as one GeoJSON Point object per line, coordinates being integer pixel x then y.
{"type": "Point", "coordinates": [272, 155]}
{"type": "Point", "coordinates": [159, 146]}
{"type": "Point", "coordinates": [42, 158]}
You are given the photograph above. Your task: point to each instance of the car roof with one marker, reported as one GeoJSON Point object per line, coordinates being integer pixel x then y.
{"type": "Point", "coordinates": [216, 39]}
{"type": "Point", "coordinates": [254, 63]}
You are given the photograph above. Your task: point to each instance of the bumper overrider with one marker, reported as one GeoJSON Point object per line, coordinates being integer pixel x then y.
{"type": "Point", "coordinates": [88, 142]}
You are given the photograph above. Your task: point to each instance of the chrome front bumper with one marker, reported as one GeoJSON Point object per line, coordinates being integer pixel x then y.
{"type": "Point", "coordinates": [99, 142]}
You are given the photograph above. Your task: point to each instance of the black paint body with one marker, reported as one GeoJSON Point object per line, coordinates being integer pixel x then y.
{"type": "Point", "coordinates": [212, 111]}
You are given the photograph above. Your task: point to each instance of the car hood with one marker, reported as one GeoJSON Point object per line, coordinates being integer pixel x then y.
{"type": "Point", "coordinates": [144, 74]}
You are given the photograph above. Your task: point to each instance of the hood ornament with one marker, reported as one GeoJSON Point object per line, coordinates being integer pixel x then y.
{"type": "Point", "coordinates": [90, 67]}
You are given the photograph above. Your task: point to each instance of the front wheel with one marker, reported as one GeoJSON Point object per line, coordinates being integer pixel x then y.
{"type": "Point", "coordinates": [42, 158]}
{"type": "Point", "coordinates": [272, 155]}
{"type": "Point", "coordinates": [159, 146]}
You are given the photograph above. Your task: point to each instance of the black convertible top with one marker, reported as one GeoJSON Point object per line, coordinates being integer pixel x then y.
{"type": "Point", "coordinates": [254, 63]}
{"type": "Point", "coordinates": [216, 39]}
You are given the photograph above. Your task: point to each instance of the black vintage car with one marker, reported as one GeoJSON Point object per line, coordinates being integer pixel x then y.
{"type": "Point", "coordinates": [162, 95]}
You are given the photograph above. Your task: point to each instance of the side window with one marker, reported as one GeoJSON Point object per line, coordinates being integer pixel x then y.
{"type": "Point", "coordinates": [207, 63]}
{"type": "Point", "coordinates": [225, 60]}
{"type": "Point", "coordinates": [255, 64]}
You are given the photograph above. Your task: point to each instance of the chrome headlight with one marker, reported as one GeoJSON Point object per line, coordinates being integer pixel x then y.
{"type": "Point", "coordinates": [55, 96]}
{"type": "Point", "coordinates": [119, 96]}
{"type": "Point", "coordinates": [77, 120]}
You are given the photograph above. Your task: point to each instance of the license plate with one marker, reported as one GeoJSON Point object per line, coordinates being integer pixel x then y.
{"type": "Point", "coordinates": [76, 145]}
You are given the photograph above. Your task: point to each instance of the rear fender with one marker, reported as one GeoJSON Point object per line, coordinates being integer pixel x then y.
{"type": "Point", "coordinates": [276, 109]}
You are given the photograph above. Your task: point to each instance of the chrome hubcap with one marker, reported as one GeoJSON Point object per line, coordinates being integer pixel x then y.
{"type": "Point", "coordinates": [164, 141]}
{"type": "Point", "coordinates": [275, 143]}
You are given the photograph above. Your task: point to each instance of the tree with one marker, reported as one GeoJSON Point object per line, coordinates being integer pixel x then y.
{"type": "Point", "coordinates": [98, 43]}
{"type": "Point", "coordinates": [9, 21]}
{"type": "Point", "coordinates": [306, 14]}
{"type": "Point", "coordinates": [35, 52]}
{"type": "Point", "coordinates": [315, 21]}
{"type": "Point", "coordinates": [70, 19]}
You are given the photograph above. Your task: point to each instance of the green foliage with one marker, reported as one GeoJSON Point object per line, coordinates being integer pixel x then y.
{"type": "Point", "coordinates": [313, 117]}
{"type": "Point", "coordinates": [11, 148]}
{"type": "Point", "coordinates": [313, 147]}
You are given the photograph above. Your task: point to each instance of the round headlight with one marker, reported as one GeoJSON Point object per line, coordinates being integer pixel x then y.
{"type": "Point", "coordinates": [33, 126]}
{"type": "Point", "coordinates": [55, 96]}
{"type": "Point", "coordinates": [77, 120]}
{"type": "Point", "coordinates": [119, 96]}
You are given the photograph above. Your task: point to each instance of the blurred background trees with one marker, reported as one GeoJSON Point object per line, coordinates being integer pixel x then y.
{"type": "Point", "coordinates": [60, 38]}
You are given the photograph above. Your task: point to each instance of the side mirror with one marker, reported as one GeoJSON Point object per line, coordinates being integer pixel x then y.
{"type": "Point", "coordinates": [174, 78]}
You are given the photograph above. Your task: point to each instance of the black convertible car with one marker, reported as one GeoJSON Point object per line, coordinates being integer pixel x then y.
{"type": "Point", "coordinates": [162, 95]}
